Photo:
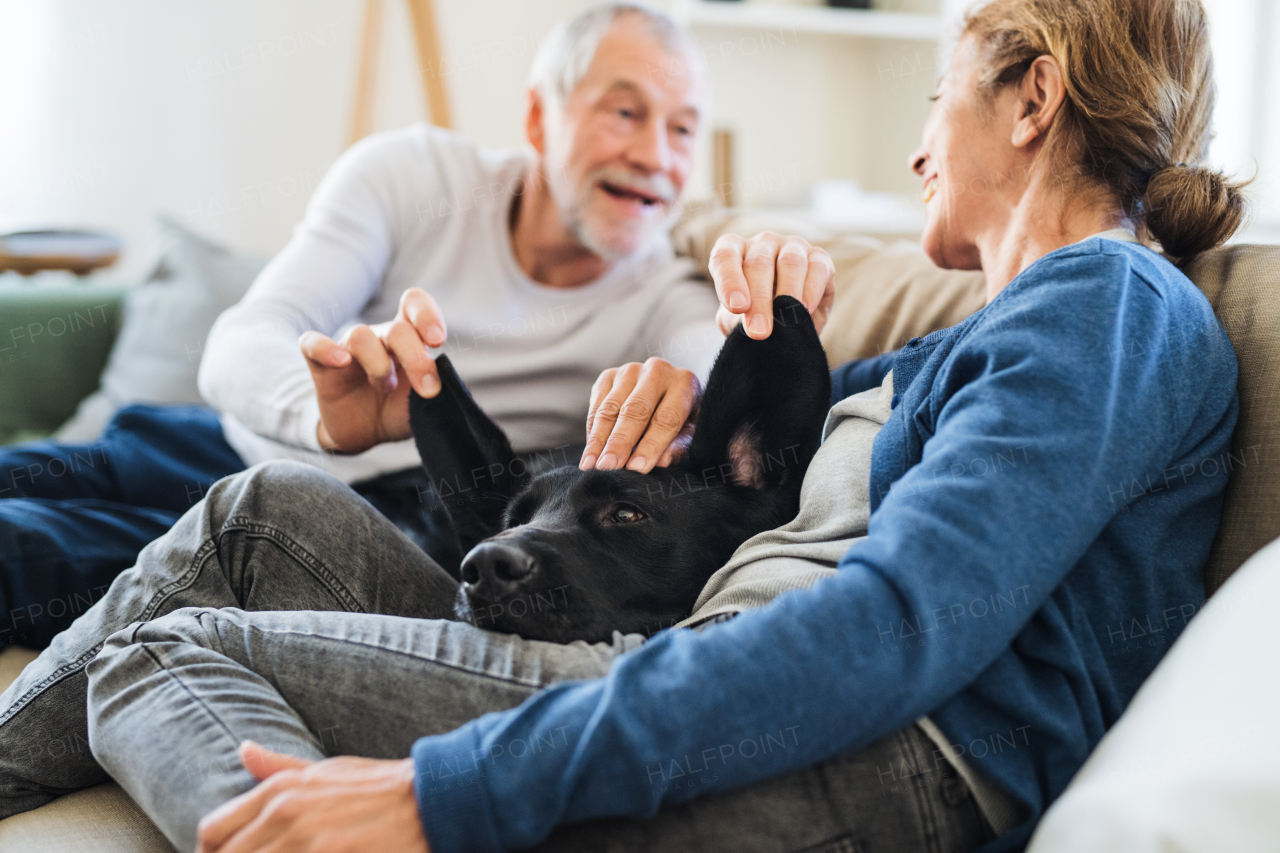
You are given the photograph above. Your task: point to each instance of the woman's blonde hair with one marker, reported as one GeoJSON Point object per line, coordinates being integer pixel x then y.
{"type": "Point", "coordinates": [1139, 100]}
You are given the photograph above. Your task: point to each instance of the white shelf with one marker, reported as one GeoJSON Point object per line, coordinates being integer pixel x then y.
{"type": "Point", "coordinates": [867, 23]}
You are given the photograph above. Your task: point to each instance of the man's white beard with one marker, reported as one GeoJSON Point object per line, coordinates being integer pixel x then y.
{"type": "Point", "coordinates": [572, 206]}
{"type": "Point", "coordinates": [576, 224]}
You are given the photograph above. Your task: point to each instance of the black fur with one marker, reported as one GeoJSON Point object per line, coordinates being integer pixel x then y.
{"type": "Point", "coordinates": [575, 555]}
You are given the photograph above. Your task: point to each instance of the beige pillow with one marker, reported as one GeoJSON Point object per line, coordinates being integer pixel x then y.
{"type": "Point", "coordinates": [891, 295]}
{"type": "Point", "coordinates": [885, 295]}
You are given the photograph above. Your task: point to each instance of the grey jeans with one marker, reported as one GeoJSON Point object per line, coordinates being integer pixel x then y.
{"type": "Point", "coordinates": [158, 683]}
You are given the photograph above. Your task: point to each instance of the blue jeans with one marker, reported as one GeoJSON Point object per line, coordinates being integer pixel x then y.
{"type": "Point", "coordinates": [77, 515]}
{"type": "Point", "coordinates": [158, 683]}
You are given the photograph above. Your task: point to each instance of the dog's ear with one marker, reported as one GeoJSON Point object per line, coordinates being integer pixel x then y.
{"type": "Point", "coordinates": [466, 455]}
{"type": "Point", "coordinates": [760, 420]}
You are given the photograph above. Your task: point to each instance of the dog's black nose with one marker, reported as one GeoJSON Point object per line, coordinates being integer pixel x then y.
{"type": "Point", "coordinates": [497, 569]}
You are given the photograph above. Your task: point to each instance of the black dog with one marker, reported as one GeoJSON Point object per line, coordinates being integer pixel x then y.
{"type": "Point", "coordinates": [575, 555]}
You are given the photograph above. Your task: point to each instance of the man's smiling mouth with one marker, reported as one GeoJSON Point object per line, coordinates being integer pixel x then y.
{"type": "Point", "coordinates": [629, 194]}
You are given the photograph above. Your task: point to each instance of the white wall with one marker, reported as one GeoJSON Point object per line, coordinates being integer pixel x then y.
{"type": "Point", "coordinates": [226, 113]}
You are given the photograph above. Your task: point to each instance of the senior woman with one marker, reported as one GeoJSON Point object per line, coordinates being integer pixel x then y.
{"type": "Point", "coordinates": [941, 678]}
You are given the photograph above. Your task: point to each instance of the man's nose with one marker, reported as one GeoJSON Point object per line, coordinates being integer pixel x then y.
{"type": "Point", "coordinates": [498, 569]}
{"type": "Point", "coordinates": [649, 150]}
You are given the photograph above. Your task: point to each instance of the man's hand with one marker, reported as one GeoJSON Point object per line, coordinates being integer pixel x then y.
{"type": "Point", "coordinates": [362, 383]}
{"type": "Point", "coordinates": [655, 399]}
{"type": "Point", "coordinates": [339, 805]}
{"type": "Point", "coordinates": [748, 274]}
{"type": "Point", "coordinates": [648, 406]}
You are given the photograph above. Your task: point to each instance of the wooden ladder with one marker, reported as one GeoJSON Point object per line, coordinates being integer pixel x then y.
{"type": "Point", "coordinates": [427, 41]}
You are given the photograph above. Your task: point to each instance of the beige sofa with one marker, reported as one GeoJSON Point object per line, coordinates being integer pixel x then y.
{"type": "Point", "coordinates": [886, 294]}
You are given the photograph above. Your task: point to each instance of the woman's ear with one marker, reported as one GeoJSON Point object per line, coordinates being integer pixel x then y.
{"type": "Point", "coordinates": [1040, 96]}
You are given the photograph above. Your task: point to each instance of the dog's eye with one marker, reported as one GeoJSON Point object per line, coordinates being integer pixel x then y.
{"type": "Point", "coordinates": [626, 515]}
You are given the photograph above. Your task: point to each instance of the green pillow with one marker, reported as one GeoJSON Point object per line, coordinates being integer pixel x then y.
{"type": "Point", "coordinates": [54, 342]}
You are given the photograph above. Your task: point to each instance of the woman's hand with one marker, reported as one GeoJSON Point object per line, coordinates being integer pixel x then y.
{"type": "Point", "coordinates": [647, 407]}
{"type": "Point", "coordinates": [650, 406]}
{"type": "Point", "coordinates": [363, 381]}
{"type": "Point", "coordinates": [338, 804]}
{"type": "Point", "coordinates": [748, 274]}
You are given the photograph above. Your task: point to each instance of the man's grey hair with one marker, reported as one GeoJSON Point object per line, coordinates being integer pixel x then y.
{"type": "Point", "coordinates": [565, 55]}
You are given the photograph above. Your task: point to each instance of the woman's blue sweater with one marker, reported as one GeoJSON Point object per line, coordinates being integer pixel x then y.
{"type": "Point", "coordinates": [1044, 497]}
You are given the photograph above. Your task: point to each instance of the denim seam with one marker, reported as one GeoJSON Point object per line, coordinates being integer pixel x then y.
{"type": "Point", "coordinates": [505, 679]}
{"type": "Point", "coordinates": [53, 678]}
{"type": "Point", "coordinates": [312, 563]}
{"type": "Point", "coordinates": [181, 582]}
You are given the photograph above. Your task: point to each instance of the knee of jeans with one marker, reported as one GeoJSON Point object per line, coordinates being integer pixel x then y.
{"type": "Point", "coordinates": [191, 625]}
{"type": "Point", "coordinates": [279, 486]}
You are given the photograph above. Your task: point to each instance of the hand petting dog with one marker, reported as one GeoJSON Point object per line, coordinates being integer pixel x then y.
{"type": "Point", "coordinates": [641, 414]}
{"type": "Point", "coordinates": [331, 806]}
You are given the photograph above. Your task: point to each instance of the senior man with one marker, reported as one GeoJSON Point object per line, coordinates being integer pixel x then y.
{"type": "Point", "coordinates": [535, 270]}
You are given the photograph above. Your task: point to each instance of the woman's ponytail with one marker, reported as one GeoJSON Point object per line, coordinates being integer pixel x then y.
{"type": "Point", "coordinates": [1190, 209]}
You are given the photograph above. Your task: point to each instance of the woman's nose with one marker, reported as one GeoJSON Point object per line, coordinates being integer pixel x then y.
{"type": "Point", "coordinates": [917, 161]}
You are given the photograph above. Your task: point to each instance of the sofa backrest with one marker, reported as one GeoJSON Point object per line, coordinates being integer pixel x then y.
{"type": "Point", "coordinates": [1243, 285]}
{"type": "Point", "coordinates": [886, 295]}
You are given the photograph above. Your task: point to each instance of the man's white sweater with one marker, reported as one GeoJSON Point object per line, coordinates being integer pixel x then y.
{"type": "Point", "coordinates": [423, 207]}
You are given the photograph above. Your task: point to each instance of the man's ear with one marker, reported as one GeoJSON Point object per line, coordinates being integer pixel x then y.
{"type": "Point", "coordinates": [1040, 95]}
{"type": "Point", "coordinates": [760, 420]}
{"type": "Point", "coordinates": [534, 119]}
{"type": "Point", "coordinates": [466, 455]}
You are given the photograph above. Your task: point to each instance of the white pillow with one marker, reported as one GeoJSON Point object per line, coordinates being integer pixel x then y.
{"type": "Point", "coordinates": [156, 357]}
{"type": "Point", "coordinates": [1194, 763]}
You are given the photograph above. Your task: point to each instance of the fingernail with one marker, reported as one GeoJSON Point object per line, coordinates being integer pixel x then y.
{"type": "Point", "coordinates": [430, 386]}
{"type": "Point", "coordinates": [607, 462]}
{"type": "Point", "coordinates": [435, 335]}
{"type": "Point", "coordinates": [341, 358]}
{"type": "Point", "coordinates": [756, 325]}
{"type": "Point", "coordinates": [587, 462]}
{"type": "Point", "coordinates": [738, 300]}
{"type": "Point", "coordinates": [636, 463]}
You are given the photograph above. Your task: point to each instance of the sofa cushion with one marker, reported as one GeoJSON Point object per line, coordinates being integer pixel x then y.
{"type": "Point", "coordinates": [1243, 285]}
{"type": "Point", "coordinates": [1193, 763]}
{"type": "Point", "coordinates": [102, 819]}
